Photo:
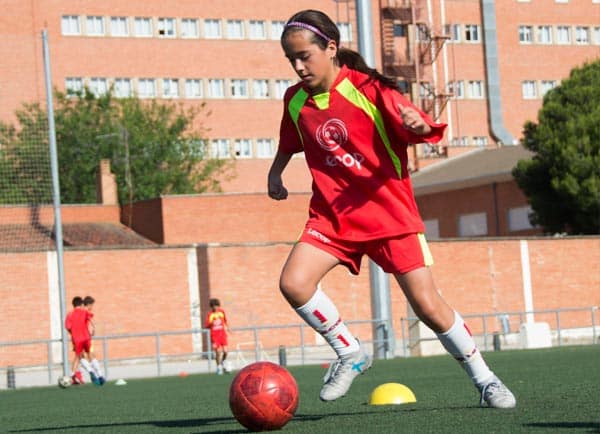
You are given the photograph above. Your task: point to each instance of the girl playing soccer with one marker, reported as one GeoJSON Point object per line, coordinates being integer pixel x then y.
{"type": "Point", "coordinates": [354, 128]}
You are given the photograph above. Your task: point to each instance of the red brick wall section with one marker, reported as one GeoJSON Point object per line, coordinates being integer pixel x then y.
{"type": "Point", "coordinates": [146, 290]}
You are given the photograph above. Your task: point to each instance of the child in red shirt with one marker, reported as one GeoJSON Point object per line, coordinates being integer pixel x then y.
{"type": "Point", "coordinates": [216, 321]}
{"type": "Point", "coordinates": [354, 128]}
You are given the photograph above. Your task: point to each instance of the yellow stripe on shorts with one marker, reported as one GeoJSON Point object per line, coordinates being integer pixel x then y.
{"type": "Point", "coordinates": [427, 256]}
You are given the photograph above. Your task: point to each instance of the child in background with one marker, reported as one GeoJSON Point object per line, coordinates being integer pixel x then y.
{"type": "Point", "coordinates": [96, 374]}
{"type": "Point", "coordinates": [216, 321]}
{"type": "Point", "coordinates": [77, 324]}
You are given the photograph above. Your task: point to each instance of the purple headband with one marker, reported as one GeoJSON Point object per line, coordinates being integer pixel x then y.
{"type": "Point", "coordinates": [309, 27]}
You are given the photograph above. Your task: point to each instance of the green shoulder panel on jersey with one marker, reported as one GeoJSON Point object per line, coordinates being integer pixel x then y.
{"type": "Point", "coordinates": [294, 107]}
{"type": "Point", "coordinates": [358, 99]}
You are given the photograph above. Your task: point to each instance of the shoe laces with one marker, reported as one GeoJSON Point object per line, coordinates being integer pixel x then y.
{"type": "Point", "coordinates": [332, 370]}
{"type": "Point", "coordinates": [489, 389]}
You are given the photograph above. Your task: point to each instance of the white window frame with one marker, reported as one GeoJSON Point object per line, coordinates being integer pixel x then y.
{"type": "Point", "coordinates": [216, 88]}
{"type": "Point", "coordinates": [142, 27]}
{"type": "Point", "coordinates": [119, 26]}
{"type": "Point", "coordinates": [563, 35]}
{"type": "Point", "coordinates": [98, 86]}
{"type": "Point", "coordinates": [546, 86]}
{"type": "Point", "coordinates": [194, 88]}
{"type": "Point", "coordinates": [190, 28]}
{"type": "Point", "coordinates": [596, 34]}
{"type": "Point", "coordinates": [480, 141]}
{"type": "Point", "coordinates": [170, 88]}
{"type": "Point", "coordinates": [525, 34]}
{"type": "Point", "coordinates": [453, 31]}
{"type": "Point", "coordinates": [582, 35]}
{"type": "Point", "coordinates": [146, 88]}
{"type": "Point", "coordinates": [475, 89]}
{"type": "Point", "coordinates": [472, 225]}
{"type": "Point", "coordinates": [260, 88]}
{"type": "Point", "coordinates": [235, 29]}
{"type": "Point", "coordinates": [70, 25]}
{"type": "Point", "coordinates": [220, 148]}
{"type": "Point", "coordinates": [265, 148]}
{"type": "Point", "coordinates": [212, 28]}
{"type": "Point", "coordinates": [94, 25]}
{"type": "Point", "coordinates": [345, 32]}
{"type": "Point", "coordinates": [238, 88]}
{"type": "Point", "coordinates": [167, 27]}
{"type": "Point", "coordinates": [73, 85]}
{"type": "Point", "coordinates": [457, 89]}
{"type": "Point", "coordinates": [122, 88]}
{"type": "Point", "coordinates": [281, 85]}
{"type": "Point", "coordinates": [242, 148]}
{"type": "Point", "coordinates": [277, 28]}
{"type": "Point", "coordinates": [529, 89]}
{"type": "Point", "coordinates": [257, 29]}
{"type": "Point", "coordinates": [472, 33]}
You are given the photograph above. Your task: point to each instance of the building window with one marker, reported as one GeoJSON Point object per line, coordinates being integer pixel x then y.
{"type": "Point", "coordinates": [220, 148]}
{"type": "Point", "coordinates": [142, 26]}
{"type": "Point", "coordinates": [189, 28]}
{"type": "Point", "coordinates": [528, 89]}
{"type": "Point", "coordinates": [472, 225]}
{"type": "Point", "coordinates": [422, 32]}
{"type": "Point", "coordinates": [119, 26]}
{"type": "Point", "coordinates": [480, 141]}
{"type": "Point", "coordinates": [546, 85]}
{"type": "Point", "coordinates": [277, 29]}
{"type": "Point", "coordinates": [73, 85]}
{"type": "Point", "coordinates": [265, 148]}
{"type": "Point", "coordinates": [544, 35]}
{"type": "Point", "coordinates": [596, 35]}
{"type": "Point", "coordinates": [98, 86]}
{"type": "Point", "coordinates": [193, 88]}
{"type": "Point", "coordinates": [146, 88]}
{"type": "Point", "coordinates": [243, 148]}
{"type": "Point", "coordinates": [122, 88]}
{"type": "Point", "coordinates": [212, 28]}
{"type": "Point", "coordinates": [94, 26]}
{"type": "Point", "coordinates": [345, 32]}
{"type": "Point", "coordinates": [216, 88]}
{"type": "Point", "coordinates": [563, 35]}
{"type": "Point", "coordinates": [518, 219]}
{"type": "Point", "coordinates": [260, 88]}
{"type": "Point", "coordinates": [167, 28]}
{"type": "Point", "coordinates": [472, 33]}
{"type": "Point", "coordinates": [582, 35]}
{"type": "Point", "coordinates": [457, 89]}
{"type": "Point", "coordinates": [238, 88]}
{"type": "Point", "coordinates": [280, 87]}
{"type": "Point", "coordinates": [235, 29]}
{"type": "Point", "coordinates": [475, 89]}
{"type": "Point", "coordinates": [258, 29]}
{"type": "Point", "coordinates": [525, 34]}
{"type": "Point", "coordinates": [69, 25]}
{"type": "Point", "coordinates": [170, 88]}
{"type": "Point", "coordinates": [399, 30]}
{"type": "Point", "coordinates": [453, 32]}
{"type": "Point", "coordinates": [432, 229]}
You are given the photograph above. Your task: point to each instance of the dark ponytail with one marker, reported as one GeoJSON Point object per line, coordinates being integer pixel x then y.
{"type": "Point", "coordinates": [325, 30]}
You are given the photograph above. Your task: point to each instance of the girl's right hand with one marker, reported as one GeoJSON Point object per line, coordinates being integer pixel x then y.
{"type": "Point", "coordinates": [276, 189]}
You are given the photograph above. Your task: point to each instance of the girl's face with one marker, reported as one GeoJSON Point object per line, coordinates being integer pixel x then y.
{"type": "Point", "coordinates": [315, 67]}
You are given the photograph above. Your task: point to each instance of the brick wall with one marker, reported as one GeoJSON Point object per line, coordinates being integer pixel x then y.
{"type": "Point", "coordinates": [147, 290]}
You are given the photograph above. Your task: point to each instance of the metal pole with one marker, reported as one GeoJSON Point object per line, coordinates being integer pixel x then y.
{"type": "Point", "coordinates": [380, 284]}
{"type": "Point", "coordinates": [56, 201]}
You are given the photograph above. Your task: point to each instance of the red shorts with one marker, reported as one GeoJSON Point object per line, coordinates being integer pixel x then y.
{"type": "Point", "coordinates": [396, 255]}
{"type": "Point", "coordinates": [218, 339]}
{"type": "Point", "coordinates": [81, 346]}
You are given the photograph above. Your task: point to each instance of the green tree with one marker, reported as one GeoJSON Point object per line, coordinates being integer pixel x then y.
{"type": "Point", "coordinates": [562, 180]}
{"type": "Point", "coordinates": [154, 147]}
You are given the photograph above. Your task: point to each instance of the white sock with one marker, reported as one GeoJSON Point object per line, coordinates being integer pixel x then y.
{"type": "Point", "coordinates": [96, 367]}
{"type": "Point", "coordinates": [321, 314]}
{"type": "Point", "coordinates": [86, 365]}
{"type": "Point", "coordinates": [460, 344]}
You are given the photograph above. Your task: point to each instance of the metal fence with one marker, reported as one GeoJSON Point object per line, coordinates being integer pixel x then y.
{"type": "Point", "coordinates": [494, 330]}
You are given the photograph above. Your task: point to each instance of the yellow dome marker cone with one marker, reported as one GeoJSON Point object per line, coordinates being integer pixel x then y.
{"type": "Point", "coordinates": [391, 393]}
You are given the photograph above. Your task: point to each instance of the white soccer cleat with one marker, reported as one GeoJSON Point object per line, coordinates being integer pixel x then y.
{"type": "Point", "coordinates": [496, 395]}
{"type": "Point", "coordinates": [342, 372]}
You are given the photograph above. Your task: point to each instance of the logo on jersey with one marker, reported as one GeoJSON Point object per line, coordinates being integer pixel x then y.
{"type": "Point", "coordinates": [332, 135]}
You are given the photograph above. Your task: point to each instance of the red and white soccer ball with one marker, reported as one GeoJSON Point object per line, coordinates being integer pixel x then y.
{"type": "Point", "coordinates": [64, 381]}
{"type": "Point", "coordinates": [263, 396]}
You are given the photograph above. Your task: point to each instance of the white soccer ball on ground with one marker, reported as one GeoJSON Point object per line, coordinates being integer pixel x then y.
{"type": "Point", "coordinates": [64, 381]}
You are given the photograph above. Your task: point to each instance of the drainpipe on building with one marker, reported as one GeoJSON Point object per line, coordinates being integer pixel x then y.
{"type": "Point", "coordinates": [497, 128]}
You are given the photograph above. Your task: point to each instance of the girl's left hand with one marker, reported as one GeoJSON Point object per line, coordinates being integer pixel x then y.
{"type": "Point", "coordinates": [412, 120]}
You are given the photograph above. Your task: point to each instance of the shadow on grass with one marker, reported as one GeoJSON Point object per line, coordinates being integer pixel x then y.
{"type": "Point", "coordinates": [594, 427]}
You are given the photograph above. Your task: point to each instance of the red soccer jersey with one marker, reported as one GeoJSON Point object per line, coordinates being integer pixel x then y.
{"type": "Point", "coordinates": [356, 149]}
{"type": "Point", "coordinates": [76, 322]}
{"type": "Point", "coordinates": [216, 321]}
